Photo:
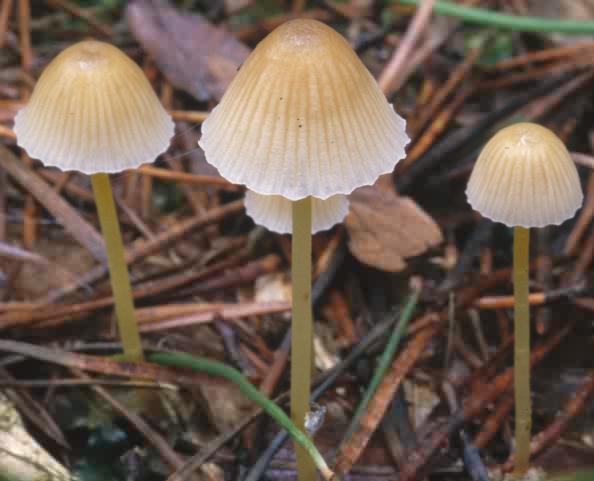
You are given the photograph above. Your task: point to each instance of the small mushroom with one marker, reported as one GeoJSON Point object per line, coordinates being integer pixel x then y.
{"type": "Point", "coordinates": [524, 177]}
{"type": "Point", "coordinates": [302, 125]}
{"type": "Point", "coordinates": [93, 110]}
{"type": "Point", "coordinates": [274, 211]}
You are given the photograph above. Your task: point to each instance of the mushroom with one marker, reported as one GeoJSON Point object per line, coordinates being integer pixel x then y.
{"type": "Point", "coordinates": [274, 211]}
{"type": "Point", "coordinates": [302, 125]}
{"type": "Point", "coordinates": [524, 177]}
{"type": "Point", "coordinates": [93, 110]}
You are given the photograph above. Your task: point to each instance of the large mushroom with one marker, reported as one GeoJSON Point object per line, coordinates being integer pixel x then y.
{"type": "Point", "coordinates": [302, 125]}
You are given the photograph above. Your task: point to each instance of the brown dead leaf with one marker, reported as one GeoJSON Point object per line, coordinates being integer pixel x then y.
{"type": "Point", "coordinates": [385, 228]}
{"type": "Point", "coordinates": [194, 55]}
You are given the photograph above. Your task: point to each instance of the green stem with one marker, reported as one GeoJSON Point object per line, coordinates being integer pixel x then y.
{"type": "Point", "coordinates": [384, 362]}
{"type": "Point", "coordinates": [302, 329]}
{"type": "Point", "coordinates": [489, 18]}
{"type": "Point", "coordinates": [522, 350]}
{"type": "Point", "coordinates": [221, 370]}
{"type": "Point", "coordinates": [118, 270]}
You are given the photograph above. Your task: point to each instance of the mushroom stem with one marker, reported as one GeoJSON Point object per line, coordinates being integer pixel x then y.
{"type": "Point", "coordinates": [522, 350]}
{"type": "Point", "coordinates": [302, 329]}
{"type": "Point", "coordinates": [118, 270]}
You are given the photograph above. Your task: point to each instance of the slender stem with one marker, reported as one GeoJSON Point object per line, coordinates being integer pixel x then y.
{"type": "Point", "coordinates": [522, 350]}
{"type": "Point", "coordinates": [302, 329]}
{"type": "Point", "coordinates": [489, 18]}
{"type": "Point", "coordinates": [221, 370]}
{"type": "Point", "coordinates": [118, 270]}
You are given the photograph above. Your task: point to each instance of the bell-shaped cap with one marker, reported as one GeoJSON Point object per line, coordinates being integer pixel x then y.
{"type": "Point", "coordinates": [93, 110]}
{"type": "Point", "coordinates": [303, 117]}
{"type": "Point", "coordinates": [275, 212]}
{"type": "Point", "coordinates": [525, 176]}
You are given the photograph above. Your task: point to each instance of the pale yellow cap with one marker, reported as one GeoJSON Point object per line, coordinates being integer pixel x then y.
{"type": "Point", "coordinates": [93, 110]}
{"type": "Point", "coordinates": [303, 117]}
{"type": "Point", "coordinates": [525, 176]}
{"type": "Point", "coordinates": [275, 212]}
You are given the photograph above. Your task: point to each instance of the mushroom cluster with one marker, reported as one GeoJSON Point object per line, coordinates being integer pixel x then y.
{"type": "Point", "coordinates": [302, 125]}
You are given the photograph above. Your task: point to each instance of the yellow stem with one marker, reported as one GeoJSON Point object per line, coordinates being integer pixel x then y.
{"type": "Point", "coordinates": [522, 350]}
{"type": "Point", "coordinates": [302, 329]}
{"type": "Point", "coordinates": [118, 270]}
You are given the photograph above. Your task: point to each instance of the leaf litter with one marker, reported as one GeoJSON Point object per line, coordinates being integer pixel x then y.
{"type": "Point", "coordinates": [206, 281]}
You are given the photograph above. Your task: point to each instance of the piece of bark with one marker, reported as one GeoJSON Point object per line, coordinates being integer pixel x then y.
{"type": "Point", "coordinates": [194, 55]}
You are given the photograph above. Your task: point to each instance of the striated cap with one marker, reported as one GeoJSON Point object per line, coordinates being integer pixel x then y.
{"type": "Point", "coordinates": [274, 211]}
{"type": "Point", "coordinates": [303, 117]}
{"type": "Point", "coordinates": [525, 176]}
{"type": "Point", "coordinates": [93, 110]}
